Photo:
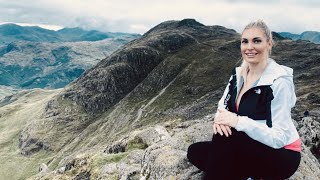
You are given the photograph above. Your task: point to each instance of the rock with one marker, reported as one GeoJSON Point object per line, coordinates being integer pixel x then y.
{"type": "Point", "coordinates": [61, 170]}
{"type": "Point", "coordinates": [138, 139]}
{"type": "Point", "coordinates": [309, 166]}
{"type": "Point", "coordinates": [43, 168]}
{"type": "Point", "coordinates": [84, 175]}
{"type": "Point", "coordinates": [313, 98]}
{"type": "Point", "coordinates": [127, 168]}
{"type": "Point", "coordinates": [166, 159]}
{"type": "Point", "coordinates": [309, 131]}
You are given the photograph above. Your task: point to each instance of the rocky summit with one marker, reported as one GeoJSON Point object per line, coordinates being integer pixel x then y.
{"type": "Point", "coordinates": [135, 113]}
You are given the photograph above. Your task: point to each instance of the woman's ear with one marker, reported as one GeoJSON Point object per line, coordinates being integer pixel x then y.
{"type": "Point", "coordinates": [270, 44]}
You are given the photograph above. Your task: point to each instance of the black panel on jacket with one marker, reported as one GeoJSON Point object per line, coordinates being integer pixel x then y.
{"type": "Point", "coordinates": [255, 103]}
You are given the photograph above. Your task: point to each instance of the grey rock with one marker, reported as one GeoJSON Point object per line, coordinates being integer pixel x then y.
{"type": "Point", "coordinates": [309, 130]}
{"type": "Point", "coordinates": [127, 168]}
{"type": "Point", "coordinates": [61, 170]}
{"type": "Point", "coordinates": [43, 168]}
{"type": "Point", "coordinates": [84, 175]}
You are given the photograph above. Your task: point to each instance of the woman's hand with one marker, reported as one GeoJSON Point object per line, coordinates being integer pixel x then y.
{"type": "Point", "coordinates": [221, 129]}
{"type": "Point", "coordinates": [226, 118]}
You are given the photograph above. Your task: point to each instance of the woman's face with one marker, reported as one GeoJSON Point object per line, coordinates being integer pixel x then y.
{"type": "Point", "coordinates": [254, 46]}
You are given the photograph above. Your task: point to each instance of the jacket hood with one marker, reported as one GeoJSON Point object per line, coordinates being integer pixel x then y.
{"type": "Point", "coordinates": [275, 71]}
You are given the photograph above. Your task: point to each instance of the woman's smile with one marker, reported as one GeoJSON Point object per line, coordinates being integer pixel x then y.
{"type": "Point", "coordinates": [250, 54]}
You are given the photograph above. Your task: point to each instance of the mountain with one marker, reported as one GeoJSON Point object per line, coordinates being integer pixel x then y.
{"type": "Point", "coordinates": [6, 91]}
{"type": "Point", "coordinates": [312, 36]}
{"type": "Point", "coordinates": [134, 114]}
{"type": "Point", "coordinates": [12, 32]}
{"type": "Point", "coordinates": [33, 57]}
{"type": "Point", "coordinates": [25, 64]}
{"type": "Point", "coordinates": [78, 34]}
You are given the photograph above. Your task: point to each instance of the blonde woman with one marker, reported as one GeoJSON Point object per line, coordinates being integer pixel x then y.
{"type": "Point", "coordinates": [254, 135]}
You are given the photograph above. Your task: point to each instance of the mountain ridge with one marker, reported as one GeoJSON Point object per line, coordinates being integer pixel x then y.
{"type": "Point", "coordinates": [51, 64]}
{"type": "Point", "coordinates": [313, 36]}
{"type": "Point", "coordinates": [12, 32]}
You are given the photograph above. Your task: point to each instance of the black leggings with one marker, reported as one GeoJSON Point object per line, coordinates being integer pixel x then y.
{"type": "Point", "coordinates": [240, 157]}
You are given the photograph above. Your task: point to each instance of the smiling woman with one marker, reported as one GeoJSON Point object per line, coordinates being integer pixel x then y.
{"type": "Point", "coordinates": [254, 135]}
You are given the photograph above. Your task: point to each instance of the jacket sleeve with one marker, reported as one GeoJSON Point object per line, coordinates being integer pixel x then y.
{"type": "Point", "coordinates": [222, 99]}
{"type": "Point", "coordinates": [283, 131]}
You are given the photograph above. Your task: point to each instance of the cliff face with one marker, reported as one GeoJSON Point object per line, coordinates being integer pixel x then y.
{"type": "Point", "coordinates": [103, 86]}
{"type": "Point", "coordinates": [134, 114]}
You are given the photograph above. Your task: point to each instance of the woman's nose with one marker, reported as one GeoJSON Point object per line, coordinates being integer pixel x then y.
{"type": "Point", "coordinates": [250, 45]}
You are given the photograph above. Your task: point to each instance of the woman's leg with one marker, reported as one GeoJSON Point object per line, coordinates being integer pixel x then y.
{"type": "Point", "coordinates": [277, 164]}
{"type": "Point", "coordinates": [263, 162]}
{"type": "Point", "coordinates": [198, 154]}
{"type": "Point", "coordinates": [215, 158]}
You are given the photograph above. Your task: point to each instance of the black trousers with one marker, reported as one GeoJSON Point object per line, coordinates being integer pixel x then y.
{"type": "Point", "coordinates": [240, 157]}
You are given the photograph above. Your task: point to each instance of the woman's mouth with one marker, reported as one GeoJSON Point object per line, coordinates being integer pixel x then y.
{"type": "Point", "coordinates": [251, 55]}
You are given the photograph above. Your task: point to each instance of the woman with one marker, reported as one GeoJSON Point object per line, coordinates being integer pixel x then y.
{"type": "Point", "coordinates": [254, 135]}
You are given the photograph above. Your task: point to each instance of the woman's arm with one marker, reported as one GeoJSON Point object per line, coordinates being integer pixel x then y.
{"type": "Point", "coordinates": [220, 128]}
{"type": "Point", "coordinates": [283, 131]}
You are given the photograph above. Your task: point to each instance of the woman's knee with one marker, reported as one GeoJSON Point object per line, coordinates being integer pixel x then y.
{"type": "Point", "coordinates": [194, 150]}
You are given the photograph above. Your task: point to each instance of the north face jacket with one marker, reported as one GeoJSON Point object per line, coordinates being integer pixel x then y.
{"type": "Point", "coordinates": [265, 109]}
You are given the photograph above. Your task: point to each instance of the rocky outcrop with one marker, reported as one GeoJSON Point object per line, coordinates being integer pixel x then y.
{"type": "Point", "coordinates": [309, 129]}
{"type": "Point", "coordinates": [159, 152]}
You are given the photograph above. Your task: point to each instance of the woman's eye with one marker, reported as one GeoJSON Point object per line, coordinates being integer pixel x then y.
{"type": "Point", "coordinates": [257, 41]}
{"type": "Point", "coordinates": [244, 41]}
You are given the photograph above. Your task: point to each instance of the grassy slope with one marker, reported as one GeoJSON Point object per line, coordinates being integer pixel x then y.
{"type": "Point", "coordinates": [13, 118]}
{"type": "Point", "coordinates": [196, 67]}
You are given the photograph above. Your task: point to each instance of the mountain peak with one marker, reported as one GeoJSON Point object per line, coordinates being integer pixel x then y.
{"type": "Point", "coordinates": [174, 24]}
{"type": "Point", "coordinates": [189, 23]}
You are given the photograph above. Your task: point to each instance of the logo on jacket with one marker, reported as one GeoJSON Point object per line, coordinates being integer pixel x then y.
{"type": "Point", "coordinates": [258, 91]}
{"type": "Point", "coordinates": [227, 99]}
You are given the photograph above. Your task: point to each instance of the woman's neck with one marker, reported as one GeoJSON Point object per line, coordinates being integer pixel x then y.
{"type": "Point", "coordinates": [257, 69]}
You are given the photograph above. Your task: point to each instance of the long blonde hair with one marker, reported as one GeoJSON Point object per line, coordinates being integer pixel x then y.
{"type": "Point", "coordinates": [263, 26]}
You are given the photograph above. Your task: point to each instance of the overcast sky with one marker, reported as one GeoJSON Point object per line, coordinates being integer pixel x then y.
{"type": "Point", "coordinates": [138, 16]}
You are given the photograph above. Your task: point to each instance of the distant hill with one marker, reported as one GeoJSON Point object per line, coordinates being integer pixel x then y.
{"type": "Point", "coordinates": [26, 64]}
{"type": "Point", "coordinates": [12, 32]}
{"type": "Point", "coordinates": [312, 36]}
{"type": "Point", "coordinates": [34, 57]}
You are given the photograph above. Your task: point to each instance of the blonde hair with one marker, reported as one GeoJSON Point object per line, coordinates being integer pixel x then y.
{"type": "Point", "coordinates": [263, 26]}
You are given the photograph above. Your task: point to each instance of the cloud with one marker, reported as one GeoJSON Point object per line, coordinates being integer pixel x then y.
{"type": "Point", "coordinates": [140, 15]}
{"type": "Point", "coordinates": [46, 26]}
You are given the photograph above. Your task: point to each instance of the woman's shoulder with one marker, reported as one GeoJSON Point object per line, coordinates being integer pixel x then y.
{"type": "Point", "coordinates": [278, 69]}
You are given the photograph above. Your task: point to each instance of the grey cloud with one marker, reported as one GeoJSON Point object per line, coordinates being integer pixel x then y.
{"type": "Point", "coordinates": [36, 12]}
{"type": "Point", "coordinates": [121, 19]}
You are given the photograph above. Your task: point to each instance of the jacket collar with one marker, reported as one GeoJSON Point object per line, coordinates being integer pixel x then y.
{"type": "Point", "coordinates": [272, 72]}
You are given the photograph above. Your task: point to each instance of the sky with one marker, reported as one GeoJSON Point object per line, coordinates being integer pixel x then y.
{"type": "Point", "coordinates": [138, 16]}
